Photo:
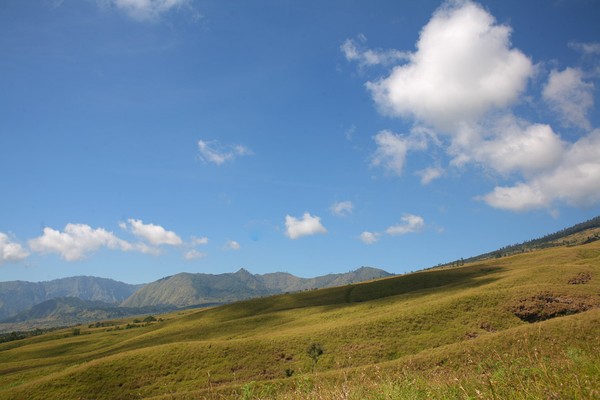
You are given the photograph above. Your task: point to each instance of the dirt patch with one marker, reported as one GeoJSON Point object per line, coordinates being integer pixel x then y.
{"type": "Point", "coordinates": [580, 278]}
{"type": "Point", "coordinates": [544, 306]}
{"type": "Point", "coordinates": [486, 326]}
{"type": "Point", "coordinates": [471, 335]}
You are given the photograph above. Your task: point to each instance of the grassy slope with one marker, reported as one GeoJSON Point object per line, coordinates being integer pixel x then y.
{"type": "Point", "coordinates": [435, 334]}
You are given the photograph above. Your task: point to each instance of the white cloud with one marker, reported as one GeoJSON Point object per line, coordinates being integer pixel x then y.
{"type": "Point", "coordinates": [307, 225]}
{"type": "Point", "coordinates": [430, 174]}
{"type": "Point", "coordinates": [575, 181]}
{"type": "Point", "coordinates": [592, 48]}
{"type": "Point", "coordinates": [391, 152]}
{"type": "Point", "coordinates": [570, 96]}
{"type": "Point", "coordinates": [392, 149]}
{"type": "Point", "coordinates": [520, 197]}
{"type": "Point", "coordinates": [369, 237]}
{"type": "Point", "coordinates": [216, 153]}
{"type": "Point", "coordinates": [232, 245]}
{"type": "Point", "coordinates": [199, 240]}
{"type": "Point", "coordinates": [76, 241]}
{"type": "Point", "coordinates": [342, 208]}
{"type": "Point", "coordinates": [146, 249]}
{"type": "Point", "coordinates": [144, 10]}
{"type": "Point", "coordinates": [153, 234]}
{"type": "Point", "coordinates": [10, 251]}
{"type": "Point", "coordinates": [354, 50]}
{"type": "Point", "coordinates": [461, 81]}
{"type": "Point", "coordinates": [519, 147]}
{"type": "Point", "coordinates": [410, 224]}
{"type": "Point", "coordinates": [194, 255]}
{"type": "Point", "coordinates": [462, 68]}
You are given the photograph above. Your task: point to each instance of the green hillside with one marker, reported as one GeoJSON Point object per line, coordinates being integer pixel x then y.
{"type": "Point", "coordinates": [525, 326]}
{"type": "Point", "coordinates": [66, 311]}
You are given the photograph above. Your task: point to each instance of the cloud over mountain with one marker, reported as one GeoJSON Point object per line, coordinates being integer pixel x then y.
{"type": "Point", "coordinates": [76, 241]}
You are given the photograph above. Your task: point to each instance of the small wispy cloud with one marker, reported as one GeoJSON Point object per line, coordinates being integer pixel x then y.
{"type": "Point", "coordinates": [430, 174]}
{"type": "Point", "coordinates": [590, 48]}
{"type": "Point", "coordinates": [410, 224]}
{"type": "Point", "coordinates": [151, 10]}
{"type": "Point", "coordinates": [214, 152]}
{"type": "Point", "coordinates": [232, 245]}
{"type": "Point", "coordinates": [342, 208]}
{"type": "Point", "coordinates": [195, 241]}
{"type": "Point", "coordinates": [570, 96]}
{"type": "Point", "coordinates": [354, 50]}
{"type": "Point", "coordinates": [369, 237]}
{"type": "Point", "coordinates": [194, 255]}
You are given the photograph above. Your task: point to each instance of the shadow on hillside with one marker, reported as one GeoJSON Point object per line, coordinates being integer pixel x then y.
{"type": "Point", "coordinates": [467, 277]}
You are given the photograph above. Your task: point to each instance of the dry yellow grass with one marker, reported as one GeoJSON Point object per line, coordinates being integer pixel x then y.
{"type": "Point", "coordinates": [449, 333]}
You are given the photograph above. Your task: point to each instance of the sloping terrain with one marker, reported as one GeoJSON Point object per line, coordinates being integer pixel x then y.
{"type": "Point", "coordinates": [65, 311]}
{"type": "Point", "coordinates": [187, 289]}
{"type": "Point", "coordinates": [447, 333]}
{"type": "Point", "coordinates": [582, 233]}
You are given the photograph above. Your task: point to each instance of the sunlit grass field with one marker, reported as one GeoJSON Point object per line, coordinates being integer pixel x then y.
{"type": "Point", "coordinates": [438, 334]}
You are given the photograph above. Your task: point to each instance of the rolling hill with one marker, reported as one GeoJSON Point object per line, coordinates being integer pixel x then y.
{"type": "Point", "coordinates": [525, 326]}
{"type": "Point", "coordinates": [64, 311]}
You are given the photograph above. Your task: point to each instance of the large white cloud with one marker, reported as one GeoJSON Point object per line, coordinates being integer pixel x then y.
{"type": "Point", "coordinates": [305, 226]}
{"type": "Point", "coordinates": [76, 241]}
{"type": "Point", "coordinates": [463, 67]}
{"type": "Point", "coordinates": [216, 153]}
{"type": "Point", "coordinates": [575, 181]}
{"type": "Point", "coordinates": [570, 96]}
{"type": "Point", "coordinates": [462, 81]}
{"type": "Point", "coordinates": [10, 251]}
{"type": "Point", "coordinates": [154, 234]}
{"type": "Point", "coordinates": [519, 147]}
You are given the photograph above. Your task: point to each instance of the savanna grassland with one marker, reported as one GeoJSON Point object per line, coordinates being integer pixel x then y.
{"type": "Point", "coordinates": [521, 327]}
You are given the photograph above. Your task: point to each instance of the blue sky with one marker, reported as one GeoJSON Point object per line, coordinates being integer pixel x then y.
{"type": "Point", "coordinates": [142, 138]}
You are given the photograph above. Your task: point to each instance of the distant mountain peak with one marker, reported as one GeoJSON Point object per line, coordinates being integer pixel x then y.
{"type": "Point", "coordinates": [243, 271]}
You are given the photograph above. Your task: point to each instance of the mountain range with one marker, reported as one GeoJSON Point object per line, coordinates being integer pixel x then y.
{"type": "Point", "coordinates": [84, 298]}
{"type": "Point", "coordinates": [16, 296]}
{"type": "Point", "coordinates": [192, 289]}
